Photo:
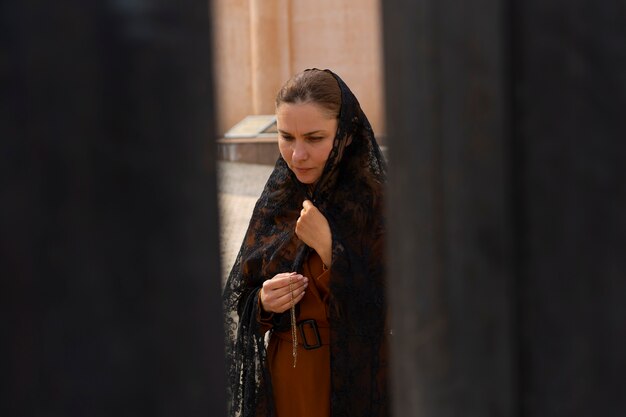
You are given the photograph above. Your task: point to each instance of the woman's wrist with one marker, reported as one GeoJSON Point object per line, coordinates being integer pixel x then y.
{"type": "Point", "coordinates": [326, 258]}
{"type": "Point", "coordinates": [264, 312]}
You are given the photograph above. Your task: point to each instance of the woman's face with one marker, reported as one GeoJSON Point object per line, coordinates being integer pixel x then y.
{"type": "Point", "coordinates": [306, 133]}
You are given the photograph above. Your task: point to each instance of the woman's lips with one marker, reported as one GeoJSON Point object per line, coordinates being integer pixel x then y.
{"type": "Point", "coordinates": [302, 170]}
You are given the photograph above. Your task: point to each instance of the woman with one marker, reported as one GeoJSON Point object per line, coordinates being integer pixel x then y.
{"type": "Point", "coordinates": [310, 272]}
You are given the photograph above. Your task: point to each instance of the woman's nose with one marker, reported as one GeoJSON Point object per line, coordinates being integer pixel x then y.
{"type": "Point", "coordinates": [299, 151]}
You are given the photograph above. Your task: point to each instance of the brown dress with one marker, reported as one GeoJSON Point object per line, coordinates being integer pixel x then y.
{"type": "Point", "coordinates": [303, 391]}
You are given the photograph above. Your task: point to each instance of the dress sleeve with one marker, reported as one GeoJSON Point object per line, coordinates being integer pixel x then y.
{"type": "Point", "coordinates": [264, 318]}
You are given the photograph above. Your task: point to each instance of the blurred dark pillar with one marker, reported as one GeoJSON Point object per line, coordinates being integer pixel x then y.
{"type": "Point", "coordinates": [108, 237]}
{"type": "Point", "coordinates": [507, 204]}
{"type": "Point", "coordinates": [450, 237]}
{"type": "Point", "coordinates": [570, 141]}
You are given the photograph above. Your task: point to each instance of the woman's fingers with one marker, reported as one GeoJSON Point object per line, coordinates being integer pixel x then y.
{"type": "Point", "coordinates": [283, 281]}
{"type": "Point", "coordinates": [275, 287]}
{"type": "Point", "coordinates": [313, 229]}
{"type": "Point", "coordinates": [306, 205]}
{"type": "Point", "coordinates": [285, 298]}
{"type": "Point", "coordinates": [276, 293]}
{"type": "Point", "coordinates": [286, 306]}
{"type": "Point", "coordinates": [280, 297]}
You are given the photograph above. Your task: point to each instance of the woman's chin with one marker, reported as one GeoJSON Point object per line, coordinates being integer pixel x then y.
{"type": "Point", "coordinates": [305, 181]}
{"type": "Point", "coordinates": [305, 177]}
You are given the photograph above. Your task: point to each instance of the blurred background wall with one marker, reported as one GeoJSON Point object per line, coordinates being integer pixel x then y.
{"type": "Point", "coordinates": [259, 44]}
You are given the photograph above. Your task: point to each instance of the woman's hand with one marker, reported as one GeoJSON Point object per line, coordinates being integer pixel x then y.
{"type": "Point", "coordinates": [313, 229]}
{"type": "Point", "coordinates": [276, 294]}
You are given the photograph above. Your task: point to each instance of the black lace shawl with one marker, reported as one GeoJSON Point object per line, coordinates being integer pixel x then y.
{"type": "Point", "coordinates": [350, 195]}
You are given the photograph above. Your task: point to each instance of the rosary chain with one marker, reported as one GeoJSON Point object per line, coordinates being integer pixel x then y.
{"type": "Point", "coordinates": [294, 334]}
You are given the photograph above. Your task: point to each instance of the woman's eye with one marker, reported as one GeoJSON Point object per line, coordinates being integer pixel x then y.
{"type": "Point", "coordinates": [287, 138]}
{"type": "Point", "coordinates": [315, 138]}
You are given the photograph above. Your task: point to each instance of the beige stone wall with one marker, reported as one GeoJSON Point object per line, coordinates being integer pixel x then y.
{"type": "Point", "coordinates": [259, 44]}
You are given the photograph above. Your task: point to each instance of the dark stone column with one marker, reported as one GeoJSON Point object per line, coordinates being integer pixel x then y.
{"type": "Point", "coordinates": [570, 138]}
{"type": "Point", "coordinates": [507, 206]}
{"type": "Point", "coordinates": [110, 260]}
{"type": "Point", "coordinates": [451, 269]}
